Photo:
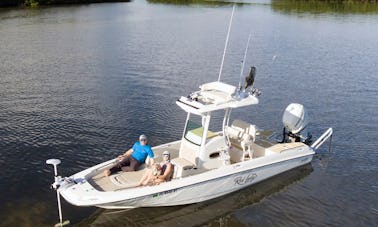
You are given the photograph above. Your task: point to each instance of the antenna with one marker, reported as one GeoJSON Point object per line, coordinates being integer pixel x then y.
{"type": "Point", "coordinates": [243, 61]}
{"type": "Point", "coordinates": [226, 44]}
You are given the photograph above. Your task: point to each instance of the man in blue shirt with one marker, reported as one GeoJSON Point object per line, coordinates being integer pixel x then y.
{"type": "Point", "coordinates": [133, 158]}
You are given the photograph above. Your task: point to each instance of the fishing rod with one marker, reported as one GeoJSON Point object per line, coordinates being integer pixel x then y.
{"type": "Point", "coordinates": [243, 61]}
{"type": "Point", "coordinates": [226, 44]}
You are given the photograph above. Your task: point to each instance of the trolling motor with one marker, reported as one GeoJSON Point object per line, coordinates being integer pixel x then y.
{"type": "Point", "coordinates": [295, 121]}
{"type": "Point", "coordinates": [58, 180]}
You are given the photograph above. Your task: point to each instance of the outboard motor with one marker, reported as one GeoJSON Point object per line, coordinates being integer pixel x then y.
{"type": "Point", "coordinates": [295, 121]}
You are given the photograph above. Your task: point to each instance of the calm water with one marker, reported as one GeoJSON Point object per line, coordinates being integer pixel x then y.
{"type": "Point", "coordinates": [80, 83]}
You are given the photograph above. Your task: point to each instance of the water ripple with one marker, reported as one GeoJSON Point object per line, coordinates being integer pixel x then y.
{"type": "Point", "coordinates": [81, 83]}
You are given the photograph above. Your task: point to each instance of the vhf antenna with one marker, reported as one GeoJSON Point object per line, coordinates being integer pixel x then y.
{"type": "Point", "coordinates": [225, 46]}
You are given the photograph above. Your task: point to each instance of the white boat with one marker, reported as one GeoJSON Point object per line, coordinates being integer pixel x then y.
{"type": "Point", "coordinates": [212, 158]}
{"type": "Point", "coordinates": [197, 214]}
{"type": "Point", "coordinates": [207, 164]}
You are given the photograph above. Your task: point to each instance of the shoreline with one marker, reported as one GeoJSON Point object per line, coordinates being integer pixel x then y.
{"type": "Point", "coordinates": [36, 3]}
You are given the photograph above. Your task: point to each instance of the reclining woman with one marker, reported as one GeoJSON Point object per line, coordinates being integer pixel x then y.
{"type": "Point", "coordinates": [160, 173]}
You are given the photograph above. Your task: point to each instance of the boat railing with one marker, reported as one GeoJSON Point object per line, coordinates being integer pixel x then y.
{"type": "Point", "coordinates": [324, 137]}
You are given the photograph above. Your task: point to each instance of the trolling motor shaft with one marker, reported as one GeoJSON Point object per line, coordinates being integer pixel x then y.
{"type": "Point", "coordinates": [57, 181]}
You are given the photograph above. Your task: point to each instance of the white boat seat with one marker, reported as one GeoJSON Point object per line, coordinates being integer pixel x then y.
{"type": "Point", "coordinates": [242, 135]}
{"type": "Point", "coordinates": [180, 164]}
{"type": "Point", "coordinates": [241, 125]}
{"type": "Point", "coordinates": [234, 133]}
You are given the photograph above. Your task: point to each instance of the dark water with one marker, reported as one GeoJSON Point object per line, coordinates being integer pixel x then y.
{"type": "Point", "coordinates": [80, 83]}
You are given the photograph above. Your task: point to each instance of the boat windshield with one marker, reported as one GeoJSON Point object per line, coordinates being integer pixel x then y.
{"type": "Point", "coordinates": [194, 131]}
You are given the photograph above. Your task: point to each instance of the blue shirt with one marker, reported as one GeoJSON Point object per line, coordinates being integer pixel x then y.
{"type": "Point", "coordinates": [141, 152]}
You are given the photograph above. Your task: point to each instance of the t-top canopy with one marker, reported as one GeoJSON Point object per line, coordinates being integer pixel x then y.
{"type": "Point", "coordinates": [215, 96]}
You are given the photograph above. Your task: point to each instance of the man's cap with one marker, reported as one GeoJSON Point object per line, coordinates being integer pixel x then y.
{"type": "Point", "coordinates": [141, 137]}
{"type": "Point", "coordinates": [166, 153]}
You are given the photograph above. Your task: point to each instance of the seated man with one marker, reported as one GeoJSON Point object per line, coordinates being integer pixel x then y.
{"type": "Point", "coordinates": [133, 158]}
{"type": "Point", "coordinates": [160, 173]}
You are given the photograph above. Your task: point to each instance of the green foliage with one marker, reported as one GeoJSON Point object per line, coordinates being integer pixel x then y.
{"type": "Point", "coordinates": [31, 3]}
{"type": "Point", "coordinates": [35, 3]}
{"type": "Point", "coordinates": [325, 6]}
{"type": "Point", "coordinates": [192, 2]}
{"type": "Point", "coordinates": [285, 6]}
{"type": "Point", "coordinates": [295, 6]}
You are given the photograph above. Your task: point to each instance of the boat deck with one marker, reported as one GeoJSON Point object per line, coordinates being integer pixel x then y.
{"type": "Point", "coordinates": [263, 146]}
{"type": "Point", "coordinates": [122, 180]}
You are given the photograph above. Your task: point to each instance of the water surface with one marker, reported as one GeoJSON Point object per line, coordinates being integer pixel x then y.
{"type": "Point", "coordinates": [80, 83]}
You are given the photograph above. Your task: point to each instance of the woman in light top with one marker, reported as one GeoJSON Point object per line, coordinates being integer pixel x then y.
{"type": "Point", "coordinates": [159, 173]}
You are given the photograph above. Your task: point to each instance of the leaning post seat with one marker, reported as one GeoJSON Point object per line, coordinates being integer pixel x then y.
{"type": "Point", "coordinates": [242, 135]}
{"type": "Point", "coordinates": [186, 160]}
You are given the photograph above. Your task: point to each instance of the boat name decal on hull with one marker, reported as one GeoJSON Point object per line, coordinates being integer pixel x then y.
{"type": "Point", "coordinates": [164, 193]}
{"type": "Point", "coordinates": [245, 179]}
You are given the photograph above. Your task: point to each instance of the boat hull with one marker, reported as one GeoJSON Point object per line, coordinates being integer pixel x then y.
{"type": "Point", "coordinates": [192, 189]}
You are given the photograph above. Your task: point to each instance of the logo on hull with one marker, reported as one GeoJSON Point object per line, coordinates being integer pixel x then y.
{"type": "Point", "coordinates": [245, 179]}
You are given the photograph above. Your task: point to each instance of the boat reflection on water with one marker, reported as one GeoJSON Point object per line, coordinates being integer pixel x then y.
{"type": "Point", "coordinates": [199, 213]}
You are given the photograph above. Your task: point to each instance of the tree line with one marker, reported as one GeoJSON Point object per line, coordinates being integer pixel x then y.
{"type": "Point", "coordinates": [9, 3]}
{"type": "Point", "coordinates": [309, 3]}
